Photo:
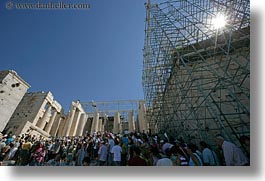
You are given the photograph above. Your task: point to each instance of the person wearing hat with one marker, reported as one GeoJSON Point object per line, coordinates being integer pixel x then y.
{"type": "Point", "coordinates": [102, 153]}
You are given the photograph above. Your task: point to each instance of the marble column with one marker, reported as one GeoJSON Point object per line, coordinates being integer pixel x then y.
{"type": "Point", "coordinates": [56, 125]}
{"type": "Point", "coordinates": [94, 122]}
{"type": "Point", "coordinates": [137, 124]}
{"type": "Point", "coordinates": [121, 127]}
{"type": "Point", "coordinates": [100, 125]}
{"type": "Point", "coordinates": [82, 123]}
{"type": "Point", "coordinates": [104, 127]}
{"type": "Point", "coordinates": [131, 124]}
{"type": "Point", "coordinates": [60, 131]}
{"type": "Point", "coordinates": [116, 124]}
{"type": "Point", "coordinates": [75, 123]}
{"type": "Point", "coordinates": [69, 121]}
{"type": "Point", "coordinates": [42, 122]}
{"type": "Point", "coordinates": [88, 125]}
{"type": "Point", "coordinates": [51, 121]}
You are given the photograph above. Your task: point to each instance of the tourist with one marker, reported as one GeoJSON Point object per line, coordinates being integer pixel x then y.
{"type": "Point", "coordinates": [80, 154]}
{"type": "Point", "coordinates": [194, 159]}
{"type": "Point", "coordinates": [102, 153]}
{"type": "Point", "coordinates": [111, 143]}
{"type": "Point", "coordinates": [55, 161]}
{"type": "Point", "coordinates": [116, 153]}
{"type": "Point", "coordinates": [166, 161]}
{"type": "Point", "coordinates": [232, 154]}
{"type": "Point", "coordinates": [137, 160]}
{"type": "Point", "coordinates": [155, 155]}
{"type": "Point", "coordinates": [11, 154]}
{"type": "Point", "coordinates": [55, 148]}
{"type": "Point", "coordinates": [24, 154]}
{"type": "Point", "coordinates": [209, 157]}
{"type": "Point", "coordinates": [38, 155]}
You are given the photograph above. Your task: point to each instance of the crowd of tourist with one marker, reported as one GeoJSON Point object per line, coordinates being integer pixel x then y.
{"type": "Point", "coordinates": [130, 149]}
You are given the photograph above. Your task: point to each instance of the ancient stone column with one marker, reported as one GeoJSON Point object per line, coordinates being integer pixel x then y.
{"type": "Point", "coordinates": [62, 123]}
{"type": "Point", "coordinates": [42, 122]}
{"type": "Point", "coordinates": [137, 124]}
{"type": "Point", "coordinates": [116, 124]}
{"type": "Point", "coordinates": [56, 124]}
{"type": "Point", "coordinates": [69, 121]}
{"type": "Point", "coordinates": [75, 123]}
{"type": "Point", "coordinates": [51, 121]}
{"type": "Point", "coordinates": [82, 123]}
{"type": "Point", "coordinates": [100, 125]}
{"type": "Point", "coordinates": [88, 125]}
{"type": "Point", "coordinates": [54, 131]}
{"type": "Point", "coordinates": [131, 124]}
{"type": "Point", "coordinates": [104, 126]}
{"type": "Point", "coordinates": [121, 127]}
{"type": "Point", "coordinates": [95, 122]}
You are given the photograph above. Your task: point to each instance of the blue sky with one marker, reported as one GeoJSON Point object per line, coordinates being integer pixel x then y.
{"type": "Point", "coordinates": [85, 55]}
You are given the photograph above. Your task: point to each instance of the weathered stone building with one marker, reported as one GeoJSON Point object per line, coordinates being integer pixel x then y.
{"type": "Point", "coordinates": [12, 90]}
{"type": "Point", "coordinates": [37, 114]}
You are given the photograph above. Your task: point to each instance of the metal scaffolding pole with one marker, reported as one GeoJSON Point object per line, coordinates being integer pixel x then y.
{"type": "Point", "coordinates": [196, 77]}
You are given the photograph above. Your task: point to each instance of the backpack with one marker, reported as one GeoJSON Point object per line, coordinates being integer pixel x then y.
{"type": "Point", "coordinates": [199, 158]}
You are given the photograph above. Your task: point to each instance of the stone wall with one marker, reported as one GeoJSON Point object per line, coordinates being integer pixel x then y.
{"type": "Point", "coordinates": [12, 90]}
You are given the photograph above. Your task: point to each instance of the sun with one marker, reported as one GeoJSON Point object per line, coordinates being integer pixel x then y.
{"type": "Point", "coordinates": [219, 21]}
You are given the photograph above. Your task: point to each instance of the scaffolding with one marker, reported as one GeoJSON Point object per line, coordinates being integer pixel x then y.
{"type": "Point", "coordinates": [196, 78]}
{"type": "Point", "coordinates": [108, 109]}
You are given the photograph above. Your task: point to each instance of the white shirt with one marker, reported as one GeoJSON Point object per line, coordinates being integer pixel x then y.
{"type": "Point", "coordinates": [164, 162]}
{"type": "Point", "coordinates": [116, 150]}
{"type": "Point", "coordinates": [233, 155]}
{"type": "Point", "coordinates": [2, 145]}
{"type": "Point", "coordinates": [103, 153]}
